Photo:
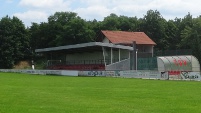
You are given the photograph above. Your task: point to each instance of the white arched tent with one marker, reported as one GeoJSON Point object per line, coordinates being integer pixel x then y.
{"type": "Point", "coordinates": [178, 63]}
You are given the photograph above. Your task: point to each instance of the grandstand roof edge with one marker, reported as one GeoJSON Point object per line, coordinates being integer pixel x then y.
{"type": "Point", "coordinates": [83, 45]}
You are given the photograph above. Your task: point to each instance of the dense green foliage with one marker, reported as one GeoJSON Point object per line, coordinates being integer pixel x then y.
{"type": "Point", "coordinates": [13, 41]}
{"type": "Point", "coordinates": [64, 28]}
{"type": "Point", "coordinates": [23, 93]}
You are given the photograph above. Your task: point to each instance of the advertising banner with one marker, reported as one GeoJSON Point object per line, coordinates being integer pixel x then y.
{"type": "Point", "coordinates": [91, 73]}
{"type": "Point", "coordinates": [141, 74]}
{"type": "Point", "coordinates": [191, 75]}
{"type": "Point", "coordinates": [98, 73]}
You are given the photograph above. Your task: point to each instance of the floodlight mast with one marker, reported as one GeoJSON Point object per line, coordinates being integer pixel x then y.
{"type": "Point", "coordinates": [134, 56]}
{"type": "Point", "coordinates": [136, 60]}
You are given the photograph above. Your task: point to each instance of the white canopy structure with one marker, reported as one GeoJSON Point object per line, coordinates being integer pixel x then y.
{"type": "Point", "coordinates": [178, 63]}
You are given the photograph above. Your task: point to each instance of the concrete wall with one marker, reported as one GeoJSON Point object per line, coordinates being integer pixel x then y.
{"type": "Point", "coordinates": [141, 74]}
{"type": "Point", "coordinates": [122, 65]}
{"type": "Point", "coordinates": [99, 73]}
{"type": "Point", "coordinates": [43, 72]}
{"type": "Point", "coordinates": [146, 74]}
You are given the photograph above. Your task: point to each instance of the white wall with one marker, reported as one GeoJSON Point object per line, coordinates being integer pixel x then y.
{"type": "Point", "coordinates": [105, 40]}
{"type": "Point", "coordinates": [43, 72]}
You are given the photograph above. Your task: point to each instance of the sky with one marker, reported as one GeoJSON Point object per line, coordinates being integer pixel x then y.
{"type": "Point", "coordinates": [39, 10]}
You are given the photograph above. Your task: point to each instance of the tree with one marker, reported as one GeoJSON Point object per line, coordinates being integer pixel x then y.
{"type": "Point", "coordinates": [40, 35]}
{"type": "Point", "coordinates": [62, 28]}
{"type": "Point", "coordinates": [134, 24]}
{"type": "Point", "coordinates": [79, 31]}
{"type": "Point", "coordinates": [13, 41]}
{"type": "Point", "coordinates": [191, 37]}
{"type": "Point", "coordinates": [153, 24]}
{"type": "Point", "coordinates": [110, 22]}
{"type": "Point", "coordinates": [172, 40]}
{"type": "Point", "coordinates": [182, 25]}
{"type": "Point", "coordinates": [95, 26]}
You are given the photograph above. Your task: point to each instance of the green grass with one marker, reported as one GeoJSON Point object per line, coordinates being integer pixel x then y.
{"type": "Point", "coordinates": [23, 93]}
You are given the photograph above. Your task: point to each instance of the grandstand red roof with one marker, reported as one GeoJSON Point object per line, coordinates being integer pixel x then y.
{"type": "Point", "coordinates": [124, 37]}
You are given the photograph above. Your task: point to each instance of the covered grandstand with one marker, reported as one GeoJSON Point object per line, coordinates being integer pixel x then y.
{"type": "Point", "coordinates": [86, 56]}
{"type": "Point", "coordinates": [114, 51]}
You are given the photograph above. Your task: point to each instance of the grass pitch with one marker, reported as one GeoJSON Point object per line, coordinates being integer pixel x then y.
{"type": "Point", "coordinates": [24, 93]}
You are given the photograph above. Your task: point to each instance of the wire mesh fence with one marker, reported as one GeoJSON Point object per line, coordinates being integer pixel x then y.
{"type": "Point", "coordinates": [172, 52]}
{"type": "Point", "coordinates": [147, 63]}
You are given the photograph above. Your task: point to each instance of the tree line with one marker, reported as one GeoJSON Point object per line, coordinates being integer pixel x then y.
{"type": "Point", "coordinates": [18, 42]}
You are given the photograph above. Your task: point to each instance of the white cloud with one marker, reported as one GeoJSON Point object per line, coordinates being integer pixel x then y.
{"type": "Point", "coordinates": [46, 5]}
{"type": "Point", "coordinates": [32, 16]}
{"type": "Point", "coordinates": [171, 9]}
{"type": "Point", "coordinates": [40, 10]}
{"type": "Point", "coordinates": [93, 12]}
{"type": "Point", "coordinates": [98, 9]}
{"type": "Point", "coordinates": [37, 3]}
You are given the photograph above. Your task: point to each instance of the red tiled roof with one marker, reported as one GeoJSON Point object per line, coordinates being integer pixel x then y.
{"type": "Point", "coordinates": [123, 37]}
